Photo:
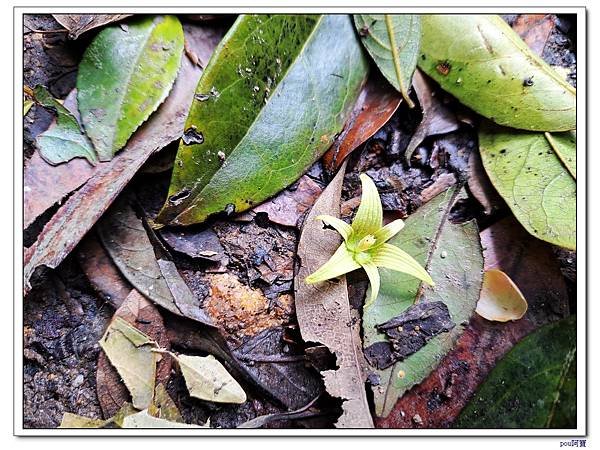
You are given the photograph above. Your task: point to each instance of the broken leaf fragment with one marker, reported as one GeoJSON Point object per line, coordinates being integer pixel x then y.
{"type": "Point", "coordinates": [144, 420]}
{"type": "Point", "coordinates": [70, 420]}
{"type": "Point", "coordinates": [207, 379]}
{"type": "Point", "coordinates": [125, 74]}
{"type": "Point", "coordinates": [130, 352]}
{"type": "Point", "coordinates": [500, 299]}
{"type": "Point", "coordinates": [365, 245]}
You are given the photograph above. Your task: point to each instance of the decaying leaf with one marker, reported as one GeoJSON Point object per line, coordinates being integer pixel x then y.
{"type": "Point", "coordinates": [437, 117]}
{"type": "Point", "coordinates": [393, 43]}
{"type": "Point", "coordinates": [130, 352]}
{"type": "Point", "coordinates": [268, 135]}
{"type": "Point", "coordinates": [535, 175]}
{"type": "Point", "coordinates": [83, 209]}
{"type": "Point", "coordinates": [163, 405]}
{"type": "Point", "coordinates": [142, 315]}
{"type": "Point", "coordinates": [125, 74]}
{"type": "Point", "coordinates": [261, 421]}
{"type": "Point", "coordinates": [144, 420]}
{"type": "Point", "coordinates": [376, 104]}
{"type": "Point", "coordinates": [126, 240]}
{"type": "Point", "coordinates": [530, 388]}
{"type": "Point", "coordinates": [482, 62]}
{"type": "Point", "coordinates": [480, 185]}
{"type": "Point", "coordinates": [70, 420]}
{"type": "Point", "coordinates": [534, 29]}
{"type": "Point", "coordinates": [324, 313]}
{"type": "Point", "coordinates": [207, 379]}
{"type": "Point", "coordinates": [500, 299]}
{"type": "Point", "coordinates": [451, 253]}
{"type": "Point", "coordinates": [77, 24]}
{"type": "Point", "coordinates": [203, 244]}
{"type": "Point", "coordinates": [63, 140]}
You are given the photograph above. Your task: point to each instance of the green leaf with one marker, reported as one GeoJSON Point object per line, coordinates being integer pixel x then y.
{"type": "Point", "coordinates": [130, 352]}
{"type": "Point", "coordinates": [207, 379]}
{"type": "Point", "coordinates": [270, 102]}
{"type": "Point", "coordinates": [452, 255]}
{"type": "Point", "coordinates": [565, 147]}
{"type": "Point", "coordinates": [530, 175]}
{"type": "Point", "coordinates": [63, 140]}
{"type": "Point", "coordinates": [125, 74]}
{"type": "Point", "coordinates": [533, 386]}
{"type": "Point", "coordinates": [393, 43]}
{"type": "Point", "coordinates": [482, 62]}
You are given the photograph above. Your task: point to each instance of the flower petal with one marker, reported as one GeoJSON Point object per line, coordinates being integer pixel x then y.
{"type": "Point", "coordinates": [374, 279]}
{"type": "Point", "coordinates": [340, 226]}
{"type": "Point", "coordinates": [389, 231]}
{"type": "Point", "coordinates": [340, 263]}
{"type": "Point", "coordinates": [369, 216]}
{"type": "Point", "coordinates": [391, 257]}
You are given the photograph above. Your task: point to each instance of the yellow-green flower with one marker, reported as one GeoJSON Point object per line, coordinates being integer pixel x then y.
{"type": "Point", "coordinates": [365, 245]}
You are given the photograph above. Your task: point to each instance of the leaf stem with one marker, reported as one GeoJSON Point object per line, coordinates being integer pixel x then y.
{"type": "Point", "coordinates": [396, 57]}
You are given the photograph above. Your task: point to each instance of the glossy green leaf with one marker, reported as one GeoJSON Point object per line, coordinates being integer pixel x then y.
{"type": "Point", "coordinates": [125, 74]}
{"type": "Point", "coordinates": [63, 140]}
{"type": "Point", "coordinates": [452, 255]}
{"type": "Point", "coordinates": [270, 102]}
{"type": "Point", "coordinates": [482, 62]}
{"type": "Point", "coordinates": [534, 179]}
{"type": "Point", "coordinates": [533, 386]}
{"type": "Point", "coordinates": [393, 43]}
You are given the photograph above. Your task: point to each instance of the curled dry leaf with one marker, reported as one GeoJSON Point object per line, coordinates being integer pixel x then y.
{"type": "Point", "coordinates": [81, 211]}
{"type": "Point", "coordinates": [207, 379]}
{"type": "Point", "coordinates": [437, 117]}
{"type": "Point", "coordinates": [376, 104]}
{"type": "Point", "coordinates": [500, 299]}
{"type": "Point", "coordinates": [324, 313]}
{"type": "Point", "coordinates": [77, 24]}
{"type": "Point", "coordinates": [143, 315]}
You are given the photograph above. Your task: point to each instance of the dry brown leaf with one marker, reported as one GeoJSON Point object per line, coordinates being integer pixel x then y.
{"type": "Point", "coordinates": [79, 213]}
{"type": "Point", "coordinates": [77, 24]}
{"type": "Point", "coordinates": [480, 185]}
{"type": "Point", "coordinates": [437, 118]}
{"type": "Point", "coordinates": [324, 313]}
{"type": "Point", "coordinates": [500, 299]}
{"type": "Point", "coordinates": [534, 29]}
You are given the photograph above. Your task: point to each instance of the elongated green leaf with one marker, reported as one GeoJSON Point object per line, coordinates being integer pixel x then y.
{"type": "Point", "coordinates": [130, 352]}
{"type": "Point", "coordinates": [270, 102]}
{"type": "Point", "coordinates": [393, 43]}
{"type": "Point", "coordinates": [534, 179]}
{"type": "Point", "coordinates": [481, 61]}
{"type": "Point", "coordinates": [533, 386]}
{"type": "Point", "coordinates": [452, 255]}
{"type": "Point", "coordinates": [63, 140]}
{"type": "Point", "coordinates": [125, 74]}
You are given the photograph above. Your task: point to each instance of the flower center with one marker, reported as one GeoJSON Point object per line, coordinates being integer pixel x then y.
{"type": "Point", "coordinates": [366, 243]}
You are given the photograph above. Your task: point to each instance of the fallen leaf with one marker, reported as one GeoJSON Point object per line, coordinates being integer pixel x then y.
{"type": "Point", "coordinates": [393, 43]}
{"type": "Point", "coordinates": [500, 299]}
{"type": "Point", "coordinates": [163, 405]}
{"type": "Point", "coordinates": [101, 272]}
{"type": "Point", "coordinates": [124, 75]}
{"type": "Point", "coordinates": [437, 117]}
{"type": "Point", "coordinates": [79, 213]}
{"type": "Point", "coordinates": [27, 104]}
{"type": "Point", "coordinates": [77, 24]}
{"type": "Point", "coordinates": [130, 352]}
{"type": "Point", "coordinates": [253, 153]}
{"type": "Point", "coordinates": [376, 104]}
{"type": "Point", "coordinates": [439, 398]}
{"type": "Point", "coordinates": [480, 185]}
{"type": "Point", "coordinates": [261, 421]}
{"type": "Point", "coordinates": [535, 178]}
{"type": "Point", "coordinates": [534, 29]}
{"type": "Point", "coordinates": [127, 242]}
{"type": "Point", "coordinates": [202, 244]}
{"type": "Point", "coordinates": [324, 313]}
{"type": "Point", "coordinates": [143, 315]}
{"type": "Point", "coordinates": [482, 62]}
{"type": "Point", "coordinates": [207, 379]}
{"type": "Point", "coordinates": [451, 253]}
{"type": "Point", "coordinates": [530, 388]}
{"type": "Point", "coordinates": [145, 420]}
{"type": "Point", "coordinates": [70, 420]}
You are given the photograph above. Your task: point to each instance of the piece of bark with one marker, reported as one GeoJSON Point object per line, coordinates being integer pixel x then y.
{"type": "Point", "coordinates": [324, 313]}
{"type": "Point", "coordinates": [84, 207]}
{"type": "Point", "coordinates": [77, 24]}
{"type": "Point", "coordinates": [144, 316]}
{"type": "Point", "coordinates": [532, 265]}
{"type": "Point", "coordinates": [377, 102]}
{"type": "Point", "coordinates": [437, 118]}
{"type": "Point", "coordinates": [441, 183]}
